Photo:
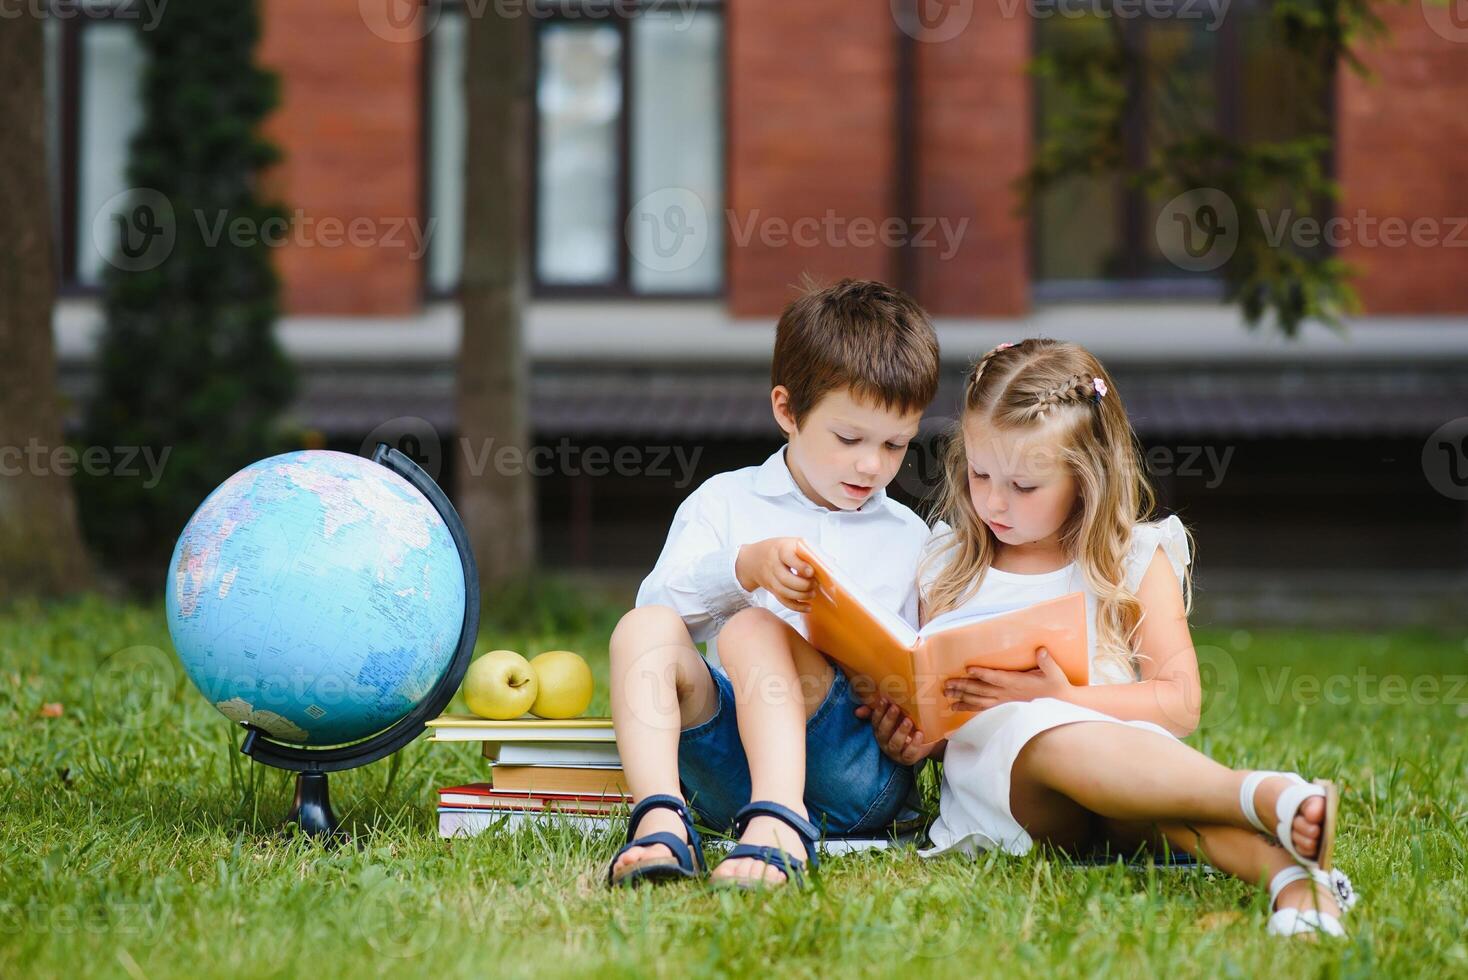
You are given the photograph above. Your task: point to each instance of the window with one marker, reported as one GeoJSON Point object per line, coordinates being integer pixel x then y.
{"type": "Point", "coordinates": [627, 137]}
{"type": "Point", "coordinates": [1097, 235]}
{"type": "Point", "coordinates": [94, 75]}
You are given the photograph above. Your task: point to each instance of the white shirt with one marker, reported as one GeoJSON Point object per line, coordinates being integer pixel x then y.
{"type": "Point", "coordinates": [878, 544]}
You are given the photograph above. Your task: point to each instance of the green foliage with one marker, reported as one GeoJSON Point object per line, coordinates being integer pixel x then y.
{"type": "Point", "coordinates": [1097, 69]}
{"type": "Point", "coordinates": [188, 362]}
{"type": "Point", "coordinates": [145, 845]}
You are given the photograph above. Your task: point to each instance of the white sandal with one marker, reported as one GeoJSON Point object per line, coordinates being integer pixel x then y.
{"type": "Point", "coordinates": [1288, 806]}
{"type": "Point", "coordinates": [1310, 922]}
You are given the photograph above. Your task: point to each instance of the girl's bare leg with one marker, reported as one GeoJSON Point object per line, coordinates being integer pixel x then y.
{"type": "Point", "coordinates": [779, 681]}
{"type": "Point", "coordinates": [1126, 773]}
{"type": "Point", "coordinates": [1144, 785]}
{"type": "Point", "coordinates": [1241, 853]}
{"type": "Point", "coordinates": [659, 686]}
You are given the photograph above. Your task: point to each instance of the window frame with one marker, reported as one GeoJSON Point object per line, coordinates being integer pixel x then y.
{"type": "Point", "coordinates": [556, 11]}
{"type": "Point", "coordinates": [1133, 210]}
{"type": "Point", "coordinates": [70, 83]}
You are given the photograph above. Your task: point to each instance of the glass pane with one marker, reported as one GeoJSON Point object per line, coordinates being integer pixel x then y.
{"type": "Point", "coordinates": [1182, 97]}
{"type": "Point", "coordinates": [447, 124]}
{"type": "Point", "coordinates": [111, 71]}
{"type": "Point", "coordinates": [1282, 96]}
{"type": "Point", "coordinates": [1078, 226]}
{"type": "Point", "coordinates": [579, 100]}
{"type": "Point", "coordinates": [675, 232]}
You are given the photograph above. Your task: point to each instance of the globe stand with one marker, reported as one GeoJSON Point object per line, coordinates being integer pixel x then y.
{"type": "Point", "coordinates": [311, 811]}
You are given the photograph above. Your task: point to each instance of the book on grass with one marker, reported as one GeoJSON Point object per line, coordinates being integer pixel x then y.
{"type": "Point", "coordinates": [601, 755]}
{"type": "Point", "coordinates": [559, 779]}
{"type": "Point", "coordinates": [472, 728]}
{"type": "Point", "coordinates": [909, 666]}
{"type": "Point", "coordinates": [487, 797]}
{"type": "Point", "coordinates": [457, 822]}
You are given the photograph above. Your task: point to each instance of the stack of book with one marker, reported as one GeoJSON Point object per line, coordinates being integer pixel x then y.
{"type": "Point", "coordinates": [546, 772]}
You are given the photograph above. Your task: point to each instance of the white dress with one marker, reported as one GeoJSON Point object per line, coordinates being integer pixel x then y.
{"type": "Point", "coordinates": [974, 809]}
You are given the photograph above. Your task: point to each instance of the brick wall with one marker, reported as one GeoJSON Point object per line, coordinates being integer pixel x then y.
{"type": "Point", "coordinates": [813, 123]}
{"type": "Point", "coordinates": [1400, 154]}
{"type": "Point", "coordinates": [349, 125]}
{"type": "Point", "coordinates": [810, 132]}
{"type": "Point", "coordinates": [974, 137]}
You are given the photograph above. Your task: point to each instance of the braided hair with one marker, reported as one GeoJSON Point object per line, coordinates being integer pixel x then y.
{"type": "Point", "coordinates": [1074, 389]}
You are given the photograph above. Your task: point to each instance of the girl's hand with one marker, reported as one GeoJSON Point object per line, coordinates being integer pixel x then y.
{"type": "Point", "coordinates": [984, 687]}
{"type": "Point", "coordinates": [895, 734]}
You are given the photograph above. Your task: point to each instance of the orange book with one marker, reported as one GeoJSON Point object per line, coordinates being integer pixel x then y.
{"type": "Point", "coordinates": [908, 666]}
{"type": "Point", "coordinates": [552, 779]}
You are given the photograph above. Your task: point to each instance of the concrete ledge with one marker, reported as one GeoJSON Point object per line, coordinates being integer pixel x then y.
{"type": "Point", "coordinates": [650, 333]}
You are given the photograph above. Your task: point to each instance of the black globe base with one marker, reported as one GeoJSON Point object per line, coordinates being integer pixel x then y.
{"type": "Point", "coordinates": [311, 811]}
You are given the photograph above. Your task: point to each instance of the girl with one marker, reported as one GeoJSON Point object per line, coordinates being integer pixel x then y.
{"type": "Point", "coordinates": [1043, 496]}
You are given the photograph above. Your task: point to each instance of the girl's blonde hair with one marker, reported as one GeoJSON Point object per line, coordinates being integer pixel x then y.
{"type": "Point", "coordinates": [1021, 387]}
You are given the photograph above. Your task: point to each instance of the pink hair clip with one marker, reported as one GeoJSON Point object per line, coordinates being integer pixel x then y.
{"type": "Point", "coordinates": [1100, 387]}
{"type": "Point", "coordinates": [1003, 347]}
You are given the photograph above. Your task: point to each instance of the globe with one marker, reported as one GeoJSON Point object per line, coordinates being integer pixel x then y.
{"type": "Point", "coordinates": [317, 596]}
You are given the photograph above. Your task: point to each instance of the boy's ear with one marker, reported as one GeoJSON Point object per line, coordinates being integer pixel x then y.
{"type": "Point", "coordinates": [780, 406]}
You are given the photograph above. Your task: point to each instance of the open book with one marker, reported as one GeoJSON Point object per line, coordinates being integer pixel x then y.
{"type": "Point", "coordinates": [909, 666]}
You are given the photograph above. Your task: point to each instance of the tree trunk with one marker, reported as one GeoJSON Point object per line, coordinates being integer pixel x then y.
{"type": "Point", "coordinates": [41, 548]}
{"type": "Point", "coordinates": [495, 491]}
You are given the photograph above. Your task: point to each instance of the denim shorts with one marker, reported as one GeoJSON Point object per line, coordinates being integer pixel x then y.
{"type": "Point", "coordinates": [850, 786]}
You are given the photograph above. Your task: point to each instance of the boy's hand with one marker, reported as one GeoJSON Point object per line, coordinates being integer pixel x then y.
{"type": "Point", "coordinates": [767, 564]}
{"type": "Point", "coordinates": [895, 734]}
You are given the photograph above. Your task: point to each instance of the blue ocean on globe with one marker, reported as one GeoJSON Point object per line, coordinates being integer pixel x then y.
{"type": "Point", "coordinates": [316, 595]}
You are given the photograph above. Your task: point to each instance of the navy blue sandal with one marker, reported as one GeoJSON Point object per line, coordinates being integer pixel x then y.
{"type": "Point", "coordinates": [685, 862]}
{"type": "Point", "coordinates": [778, 857]}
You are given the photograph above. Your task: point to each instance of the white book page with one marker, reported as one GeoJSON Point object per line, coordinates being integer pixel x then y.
{"type": "Point", "coordinates": [900, 629]}
{"type": "Point", "coordinates": [955, 618]}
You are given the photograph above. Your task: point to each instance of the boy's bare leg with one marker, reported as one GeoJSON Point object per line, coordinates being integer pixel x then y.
{"type": "Point", "coordinates": [659, 686]}
{"type": "Point", "coordinates": [779, 680]}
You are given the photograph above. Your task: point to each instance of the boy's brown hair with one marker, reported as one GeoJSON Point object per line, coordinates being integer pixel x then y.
{"type": "Point", "coordinates": [857, 334]}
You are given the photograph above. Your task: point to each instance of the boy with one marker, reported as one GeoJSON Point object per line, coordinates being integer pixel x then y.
{"type": "Point", "coordinates": [768, 718]}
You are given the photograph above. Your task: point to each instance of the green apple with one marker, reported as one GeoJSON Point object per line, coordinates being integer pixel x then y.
{"type": "Point", "coordinates": [565, 685]}
{"type": "Point", "coordinates": [500, 685]}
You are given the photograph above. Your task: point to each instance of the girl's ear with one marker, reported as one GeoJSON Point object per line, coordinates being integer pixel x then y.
{"type": "Point", "coordinates": [1077, 512]}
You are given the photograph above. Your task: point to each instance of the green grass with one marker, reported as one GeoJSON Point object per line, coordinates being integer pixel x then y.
{"type": "Point", "coordinates": [135, 840]}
